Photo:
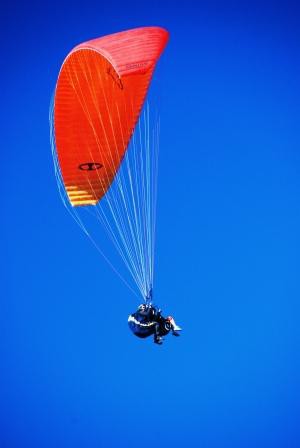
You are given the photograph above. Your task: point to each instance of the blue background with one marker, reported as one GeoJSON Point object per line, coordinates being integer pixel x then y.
{"type": "Point", "coordinates": [227, 247]}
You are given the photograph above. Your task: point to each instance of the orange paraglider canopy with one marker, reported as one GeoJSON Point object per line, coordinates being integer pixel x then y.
{"type": "Point", "coordinates": [99, 94]}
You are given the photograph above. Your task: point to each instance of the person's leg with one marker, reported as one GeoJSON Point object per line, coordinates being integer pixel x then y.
{"type": "Point", "coordinates": [157, 336]}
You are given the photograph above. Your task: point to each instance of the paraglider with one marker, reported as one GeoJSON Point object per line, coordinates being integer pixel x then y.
{"type": "Point", "coordinates": [99, 94]}
{"type": "Point", "coordinates": [148, 320]}
{"type": "Point", "coordinates": [102, 166]}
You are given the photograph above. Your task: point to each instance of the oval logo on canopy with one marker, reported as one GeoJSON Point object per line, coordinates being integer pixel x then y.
{"type": "Point", "coordinates": [90, 166]}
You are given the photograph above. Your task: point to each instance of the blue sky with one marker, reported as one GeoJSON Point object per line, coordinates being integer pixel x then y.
{"type": "Point", "coordinates": [227, 258]}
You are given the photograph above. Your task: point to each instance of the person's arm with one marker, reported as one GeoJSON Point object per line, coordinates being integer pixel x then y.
{"type": "Point", "coordinates": [157, 315]}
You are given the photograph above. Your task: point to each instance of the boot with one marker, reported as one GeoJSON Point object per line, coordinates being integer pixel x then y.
{"type": "Point", "coordinates": [158, 339]}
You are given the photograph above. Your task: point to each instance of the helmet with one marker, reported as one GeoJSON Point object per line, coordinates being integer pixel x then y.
{"type": "Point", "coordinates": [143, 308]}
